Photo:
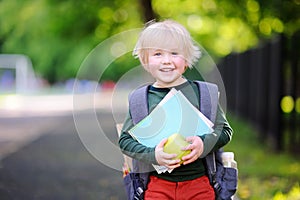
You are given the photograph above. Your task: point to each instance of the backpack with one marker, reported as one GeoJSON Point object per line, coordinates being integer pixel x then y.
{"type": "Point", "coordinates": [222, 179]}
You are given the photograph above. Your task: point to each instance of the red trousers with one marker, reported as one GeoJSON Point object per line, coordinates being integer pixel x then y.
{"type": "Point", "coordinates": [197, 189]}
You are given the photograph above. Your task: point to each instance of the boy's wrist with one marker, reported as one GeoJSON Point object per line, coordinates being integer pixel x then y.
{"type": "Point", "coordinates": [153, 158]}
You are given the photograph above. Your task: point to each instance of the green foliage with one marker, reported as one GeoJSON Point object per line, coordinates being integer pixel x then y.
{"type": "Point", "coordinates": [293, 194]}
{"type": "Point", "coordinates": [223, 27]}
{"type": "Point", "coordinates": [262, 174]}
{"type": "Point", "coordinates": [58, 35]}
{"type": "Point", "coordinates": [119, 67]}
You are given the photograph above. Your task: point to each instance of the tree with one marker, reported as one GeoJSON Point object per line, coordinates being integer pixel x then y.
{"type": "Point", "coordinates": [57, 35]}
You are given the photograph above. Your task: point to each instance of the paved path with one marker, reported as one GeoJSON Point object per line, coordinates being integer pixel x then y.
{"type": "Point", "coordinates": [42, 156]}
{"type": "Point", "coordinates": [57, 166]}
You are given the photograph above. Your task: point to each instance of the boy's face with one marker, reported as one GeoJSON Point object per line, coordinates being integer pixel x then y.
{"type": "Point", "coordinates": [166, 66]}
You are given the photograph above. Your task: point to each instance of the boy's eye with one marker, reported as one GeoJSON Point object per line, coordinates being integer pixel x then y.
{"type": "Point", "coordinates": [174, 53]}
{"type": "Point", "coordinates": [157, 54]}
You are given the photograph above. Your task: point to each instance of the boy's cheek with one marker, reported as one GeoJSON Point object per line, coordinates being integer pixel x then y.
{"type": "Point", "coordinates": [146, 67]}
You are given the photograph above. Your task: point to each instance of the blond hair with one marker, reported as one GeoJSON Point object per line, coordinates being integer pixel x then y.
{"type": "Point", "coordinates": [166, 35]}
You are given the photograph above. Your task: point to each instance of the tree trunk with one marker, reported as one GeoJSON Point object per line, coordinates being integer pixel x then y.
{"type": "Point", "coordinates": [147, 10]}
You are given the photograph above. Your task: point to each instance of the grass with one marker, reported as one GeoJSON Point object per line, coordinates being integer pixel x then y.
{"type": "Point", "coordinates": [263, 174]}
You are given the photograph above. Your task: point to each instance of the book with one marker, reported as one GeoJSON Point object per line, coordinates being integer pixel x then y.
{"type": "Point", "coordinates": [174, 114]}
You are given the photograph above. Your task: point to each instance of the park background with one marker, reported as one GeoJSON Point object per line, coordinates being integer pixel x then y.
{"type": "Point", "coordinates": [255, 45]}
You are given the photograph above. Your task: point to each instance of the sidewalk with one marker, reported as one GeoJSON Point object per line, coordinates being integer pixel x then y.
{"type": "Point", "coordinates": [56, 165]}
{"type": "Point", "coordinates": [24, 118]}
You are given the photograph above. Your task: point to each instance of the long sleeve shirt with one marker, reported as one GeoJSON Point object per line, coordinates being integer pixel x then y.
{"type": "Point", "coordinates": [221, 136]}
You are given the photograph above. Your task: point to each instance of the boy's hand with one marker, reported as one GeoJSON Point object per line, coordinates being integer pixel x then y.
{"type": "Point", "coordinates": [196, 148]}
{"type": "Point", "coordinates": [165, 159]}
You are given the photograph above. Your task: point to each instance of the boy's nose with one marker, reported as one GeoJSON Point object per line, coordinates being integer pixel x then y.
{"type": "Point", "coordinates": [166, 59]}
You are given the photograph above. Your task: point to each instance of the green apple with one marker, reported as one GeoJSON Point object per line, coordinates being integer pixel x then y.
{"type": "Point", "coordinates": [174, 145]}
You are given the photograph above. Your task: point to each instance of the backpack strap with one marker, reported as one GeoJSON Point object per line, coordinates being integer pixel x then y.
{"type": "Point", "coordinates": [208, 99]}
{"type": "Point", "coordinates": [139, 99]}
{"type": "Point", "coordinates": [208, 107]}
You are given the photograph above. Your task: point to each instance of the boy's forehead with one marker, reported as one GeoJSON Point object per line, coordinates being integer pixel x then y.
{"type": "Point", "coordinates": [165, 45]}
{"type": "Point", "coordinates": [175, 49]}
{"type": "Point", "coordinates": [163, 39]}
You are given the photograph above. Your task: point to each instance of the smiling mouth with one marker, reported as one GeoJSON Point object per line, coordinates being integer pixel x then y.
{"type": "Point", "coordinates": [166, 70]}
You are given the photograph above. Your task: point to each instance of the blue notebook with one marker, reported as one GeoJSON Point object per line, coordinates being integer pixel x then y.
{"type": "Point", "coordinates": [174, 114]}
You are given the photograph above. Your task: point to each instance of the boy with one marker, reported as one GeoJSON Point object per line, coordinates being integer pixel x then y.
{"type": "Point", "coordinates": [166, 50]}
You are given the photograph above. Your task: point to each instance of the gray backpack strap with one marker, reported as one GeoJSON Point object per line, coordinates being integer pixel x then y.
{"type": "Point", "coordinates": [209, 98]}
{"type": "Point", "coordinates": [138, 107]}
{"type": "Point", "coordinates": [139, 99]}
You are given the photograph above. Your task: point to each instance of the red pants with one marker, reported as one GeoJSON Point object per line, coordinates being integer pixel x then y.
{"type": "Point", "coordinates": [197, 189]}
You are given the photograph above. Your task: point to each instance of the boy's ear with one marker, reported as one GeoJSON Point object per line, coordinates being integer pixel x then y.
{"type": "Point", "coordinates": [186, 65]}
